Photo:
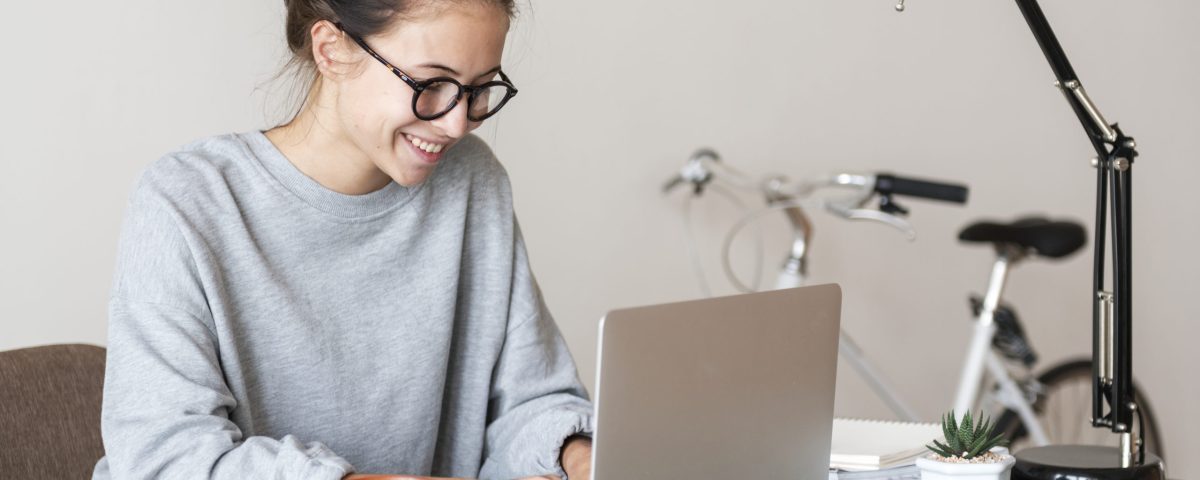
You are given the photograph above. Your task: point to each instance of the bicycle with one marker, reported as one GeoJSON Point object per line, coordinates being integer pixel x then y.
{"type": "Point", "coordinates": [998, 370]}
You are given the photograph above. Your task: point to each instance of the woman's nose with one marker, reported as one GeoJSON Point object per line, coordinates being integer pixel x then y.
{"type": "Point", "coordinates": [455, 123]}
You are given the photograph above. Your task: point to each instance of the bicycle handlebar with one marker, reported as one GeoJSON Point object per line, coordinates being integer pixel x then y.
{"type": "Point", "coordinates": [946, 192]}
{"type": "Point", "coordinates": [794, 197]}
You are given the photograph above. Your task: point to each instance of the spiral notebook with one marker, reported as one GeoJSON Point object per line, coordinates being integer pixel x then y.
{"type": "Point", "coordinates": [860, 445]}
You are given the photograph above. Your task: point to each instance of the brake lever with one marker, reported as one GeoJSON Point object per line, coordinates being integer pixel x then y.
{"type": "Point", "coordinates": [859, 213]}
{"type": "Point", "coordinates": [885, 218]}
{"type": "Point", "coordinates": [695, 172]}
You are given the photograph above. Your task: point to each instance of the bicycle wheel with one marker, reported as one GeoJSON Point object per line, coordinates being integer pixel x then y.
{"type": "Point", "coordinates": [1064, 407]}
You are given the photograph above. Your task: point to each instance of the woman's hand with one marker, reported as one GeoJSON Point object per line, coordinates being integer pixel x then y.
{"type": "Point", "coordinates": [576, 458]}
{"type": "Point", "coordinates": [372, 476]}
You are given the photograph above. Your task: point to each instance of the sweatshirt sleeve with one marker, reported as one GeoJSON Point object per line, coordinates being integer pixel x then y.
{"type": "Point", "coordinates": [537, 401]}
{"type": "Point", "coordinates": [166, 405]}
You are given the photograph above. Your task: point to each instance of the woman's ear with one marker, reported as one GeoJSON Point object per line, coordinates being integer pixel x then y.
{"type": "Point", "coordinates": [330, 50]}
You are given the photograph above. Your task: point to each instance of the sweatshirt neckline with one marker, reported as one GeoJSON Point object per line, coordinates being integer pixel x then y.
{"type": "Point", "coordinates": [316, 195]}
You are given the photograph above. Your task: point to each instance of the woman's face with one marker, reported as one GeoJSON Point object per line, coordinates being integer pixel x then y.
{"type": "Point", "coordinates": [374, 106]}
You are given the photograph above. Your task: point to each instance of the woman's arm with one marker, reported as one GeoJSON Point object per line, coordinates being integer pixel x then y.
{"type": "Point", "coordinates": [166, 404]}
{"type": "Point", "coordinates": [537, 401]}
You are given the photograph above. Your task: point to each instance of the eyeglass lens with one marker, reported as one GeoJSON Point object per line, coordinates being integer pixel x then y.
{"type": "Point", "coordinates": [439, 97]}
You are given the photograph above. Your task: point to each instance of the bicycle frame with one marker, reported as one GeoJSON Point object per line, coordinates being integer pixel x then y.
{"type": "Point", "coordinates": [793, 275]}
{"type": "Point", "coordinates": [782, 195]}
{"type": "Point", "coordinates": [979, 355]}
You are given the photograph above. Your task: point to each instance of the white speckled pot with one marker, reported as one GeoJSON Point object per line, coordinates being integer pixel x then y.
{"type": "Point", "coordinates": [935, 470]}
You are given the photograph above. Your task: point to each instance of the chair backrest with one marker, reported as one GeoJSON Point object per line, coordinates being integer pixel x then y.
{"type": "Point", "coordinates": [50, 411]}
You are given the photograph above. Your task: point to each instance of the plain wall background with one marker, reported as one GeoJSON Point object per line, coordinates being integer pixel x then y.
{"type": "Point", "coordinates": [614, 96]}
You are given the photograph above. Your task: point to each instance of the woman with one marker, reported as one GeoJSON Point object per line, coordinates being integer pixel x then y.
{"type": "Point", "coordinates": [348, 292]}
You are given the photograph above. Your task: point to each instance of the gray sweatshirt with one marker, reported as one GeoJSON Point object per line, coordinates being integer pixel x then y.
{"type": "Point", "coordinates": [264, 326]}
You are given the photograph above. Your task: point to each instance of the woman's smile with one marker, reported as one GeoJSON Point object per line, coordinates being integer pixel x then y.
{"type": "Point", "coordinates": [426, 150]}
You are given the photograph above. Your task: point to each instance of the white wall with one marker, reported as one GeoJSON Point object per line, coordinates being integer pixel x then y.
{"type": "Point", "coordinates": [614, 96]}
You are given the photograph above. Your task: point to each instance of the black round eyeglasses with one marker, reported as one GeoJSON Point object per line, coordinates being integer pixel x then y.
{"type": "Point", "coordinates": [437, 96]}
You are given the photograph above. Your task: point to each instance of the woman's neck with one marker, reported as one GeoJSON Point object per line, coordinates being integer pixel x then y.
{"type": "Point", "coordinates": [319, 149]}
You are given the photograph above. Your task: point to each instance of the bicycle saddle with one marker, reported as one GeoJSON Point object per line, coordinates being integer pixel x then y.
{"type": "Point", "coordinates": [1053, 239]}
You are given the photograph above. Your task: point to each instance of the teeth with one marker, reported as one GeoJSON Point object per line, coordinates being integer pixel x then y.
{"type": "Point", "coordinates": [426, 146]}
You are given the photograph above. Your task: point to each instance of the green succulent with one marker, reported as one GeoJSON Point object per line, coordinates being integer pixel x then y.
{"type": "Point", "coordinates": [966, 440]}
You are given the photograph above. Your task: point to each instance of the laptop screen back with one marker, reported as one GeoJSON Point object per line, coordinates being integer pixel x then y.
{"type": "Point", "coordinates": [732, 387]}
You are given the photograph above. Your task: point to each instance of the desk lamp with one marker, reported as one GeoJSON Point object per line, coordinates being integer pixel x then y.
{"type": "Point", "coordinates": [1112, 346]}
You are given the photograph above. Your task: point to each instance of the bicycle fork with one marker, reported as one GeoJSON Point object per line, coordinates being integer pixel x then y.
{"type": "Point", "coordinates": [980, 354]}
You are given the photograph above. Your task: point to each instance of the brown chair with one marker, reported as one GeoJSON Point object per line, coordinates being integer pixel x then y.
{"type": "Point", "coordinates": [50, 411]}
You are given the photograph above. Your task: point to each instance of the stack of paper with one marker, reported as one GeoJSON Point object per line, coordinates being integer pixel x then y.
{"type": "Point", "coordinates": [862, 445]}
{"type": "Point", "coordinates": [905, 472]}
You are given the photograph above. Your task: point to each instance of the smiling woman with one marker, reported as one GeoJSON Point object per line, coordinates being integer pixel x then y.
{"type": "Point", "coordinates": [348, 291]}
{"type": "Point", "coordinates": [360, 107]}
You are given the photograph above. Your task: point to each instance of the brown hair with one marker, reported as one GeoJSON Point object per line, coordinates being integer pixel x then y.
{"type": "Point", "coordinates": [361, 17]}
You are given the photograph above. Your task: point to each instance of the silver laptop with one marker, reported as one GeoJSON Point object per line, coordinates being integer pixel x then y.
{"type": "Point", "coordinates": [732, 387]}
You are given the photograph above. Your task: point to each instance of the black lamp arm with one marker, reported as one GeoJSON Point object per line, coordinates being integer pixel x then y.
{"type": "Point", "coordinates": [1115, 152]}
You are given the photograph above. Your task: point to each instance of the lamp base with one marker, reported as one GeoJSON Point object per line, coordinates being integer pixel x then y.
{"type": "Point", "coordinates": [1082, 462]}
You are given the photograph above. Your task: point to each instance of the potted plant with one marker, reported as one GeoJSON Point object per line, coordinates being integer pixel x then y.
{"type": "Point", "coordinates": [972, 450]}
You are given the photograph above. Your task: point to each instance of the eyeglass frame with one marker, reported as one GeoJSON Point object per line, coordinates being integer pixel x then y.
{"type": "Point", "coordinates": [419, 87]}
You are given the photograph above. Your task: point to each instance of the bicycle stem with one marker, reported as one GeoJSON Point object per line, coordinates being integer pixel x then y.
{"type": "Point", "coordinates": [795, 267]}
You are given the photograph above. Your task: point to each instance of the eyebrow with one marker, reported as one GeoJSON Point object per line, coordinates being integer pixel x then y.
{"type": "Point", "coordinates": [451, 71]}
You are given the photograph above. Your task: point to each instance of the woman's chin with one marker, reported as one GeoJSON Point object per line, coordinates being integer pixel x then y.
{"type": "Point", "coordinates": [411, 177]}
